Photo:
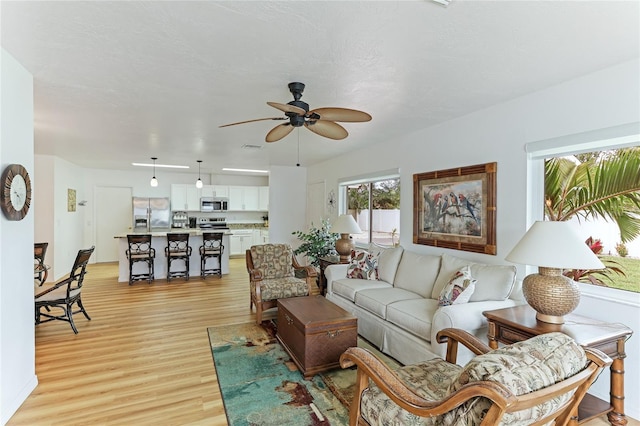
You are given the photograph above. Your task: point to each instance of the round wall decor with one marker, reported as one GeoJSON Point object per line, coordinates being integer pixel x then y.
{"type": "Point", "coordinates": [15, 197]}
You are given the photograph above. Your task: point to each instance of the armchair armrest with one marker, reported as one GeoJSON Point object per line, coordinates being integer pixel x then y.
{"type": "Point", "coordinates": [453, 336]}
{"type": "Point", "coordinates": [370, 367]}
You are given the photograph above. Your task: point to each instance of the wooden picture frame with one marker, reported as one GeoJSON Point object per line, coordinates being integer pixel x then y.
{"type": "Point", "coordinates": [456, 208]}
{"type": "Point", "coordinates": [71, 200]}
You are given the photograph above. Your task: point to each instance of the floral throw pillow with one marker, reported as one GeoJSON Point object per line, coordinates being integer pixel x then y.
{"type": "Point", "coordinates": [459, 289]}
{"type": "Point", "coordinates": [363, 265]}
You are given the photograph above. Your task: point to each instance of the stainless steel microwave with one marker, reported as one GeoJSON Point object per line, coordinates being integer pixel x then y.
{"type": "Point", "coordinates": [214, 204]}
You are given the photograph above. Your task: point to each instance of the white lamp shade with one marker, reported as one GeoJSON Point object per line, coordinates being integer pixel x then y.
{"type": "Point", "coordinates": [552, 244]}
{"type": "Point", "coordinates": [154, 182]}
{"type": "Point", "coordinates": [199, 183]}
{"type": "Point", "coordinates": [345, 224]}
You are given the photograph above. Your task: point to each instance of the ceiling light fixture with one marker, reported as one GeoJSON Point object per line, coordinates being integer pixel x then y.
{"type": "Point", "coordinates": [154, 181]}
{"type": "Point", "coordinates": [165, 166]}
{"type": "Point", "coordinates": [226, 169]}
{"type": "Point", "coordinates": [199, 181]}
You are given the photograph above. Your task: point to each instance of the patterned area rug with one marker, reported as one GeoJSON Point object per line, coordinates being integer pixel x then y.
{"type": "Point", "coordinates": [261, 385]}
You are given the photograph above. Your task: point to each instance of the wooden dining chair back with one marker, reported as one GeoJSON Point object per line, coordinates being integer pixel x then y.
{"type": "Point", "coordinates": [140, 251]}
{"type": "Point", "coordinates": [211, 248]}
{"type": "Point", "coordinates": [64, 294]}
{"type": "Point", "coordinates": [534, 382]}
{"type": "Point", "coordinates": [177, 248]}
{"type": "Point", "coordinates": [40, 269]}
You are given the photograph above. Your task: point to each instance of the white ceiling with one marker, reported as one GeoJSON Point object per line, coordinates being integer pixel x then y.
{"type": "Point", "coordinates": [120, 82]}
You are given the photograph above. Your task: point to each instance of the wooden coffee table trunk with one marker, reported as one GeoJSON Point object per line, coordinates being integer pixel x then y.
{"type": "Point", "coordinates": [315, 332]}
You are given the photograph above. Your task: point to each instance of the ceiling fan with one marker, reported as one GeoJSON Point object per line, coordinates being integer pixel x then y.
{"type": "Point", "coordinates": [321, 121]}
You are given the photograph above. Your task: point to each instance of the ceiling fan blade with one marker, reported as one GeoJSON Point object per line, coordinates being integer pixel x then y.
{"type": "Point", "coordinates": [279, 132]}
{"type": "Point", "coordinates": [326, 128]}
{"type": "Point", "coordinates": [287, 108]}
{"type": "Point", "coordinates": [341, 114]}
{"type": "Point", "coordinates": [251, 121]}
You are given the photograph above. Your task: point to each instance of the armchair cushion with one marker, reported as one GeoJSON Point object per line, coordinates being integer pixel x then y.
{"type": "Point", "coordinates": [281, 288]}
{"type": "Point", "coordinates": [273, 260]}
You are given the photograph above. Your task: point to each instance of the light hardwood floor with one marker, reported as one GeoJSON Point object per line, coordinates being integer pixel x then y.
{"type": "Point", "coordinates": [144, 358]}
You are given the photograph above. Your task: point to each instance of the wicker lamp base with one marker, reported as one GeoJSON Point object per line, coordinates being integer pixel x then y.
{"type": "Point", "coordinates": [551, 294]}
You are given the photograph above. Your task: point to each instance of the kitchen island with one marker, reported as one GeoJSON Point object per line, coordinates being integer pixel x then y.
{"type": "Point", "coordinates": [159, 242]}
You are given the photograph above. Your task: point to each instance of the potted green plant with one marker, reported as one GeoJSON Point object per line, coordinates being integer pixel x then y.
{"type": "Point", "coordinates": [317, 242]}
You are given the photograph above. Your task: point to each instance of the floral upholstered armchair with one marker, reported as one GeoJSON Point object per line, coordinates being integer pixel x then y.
{"type": "Point", "coordinates": [272, 276]}
{"type": "Point", "coordinates": [532, 382]}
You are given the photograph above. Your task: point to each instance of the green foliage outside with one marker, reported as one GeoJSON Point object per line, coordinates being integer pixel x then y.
{"type": "Point", "coordinates": [599, 185]}
{"type": "Point", "coordinates": [630, 281]}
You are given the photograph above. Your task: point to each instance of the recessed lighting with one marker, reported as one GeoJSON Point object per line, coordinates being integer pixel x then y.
{"type": "Point", "coordinates": [226, 169]}
{"type": "Point", "coordinates": [166, 166]}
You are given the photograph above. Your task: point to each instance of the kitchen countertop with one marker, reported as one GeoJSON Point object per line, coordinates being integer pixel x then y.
{"type": "Point", "coordinates": [163, 233]}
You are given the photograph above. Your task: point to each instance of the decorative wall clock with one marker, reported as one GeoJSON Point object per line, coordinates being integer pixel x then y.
{"type": "Point", "coordinates": [331, 201]}
{"type": "Point", "coordinates": [15, 197]}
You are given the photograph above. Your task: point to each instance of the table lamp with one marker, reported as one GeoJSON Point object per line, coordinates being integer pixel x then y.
{"type": "Point", "coordinates": [552, 246]}
{"type": "Point", "coordinates": [344, 225]}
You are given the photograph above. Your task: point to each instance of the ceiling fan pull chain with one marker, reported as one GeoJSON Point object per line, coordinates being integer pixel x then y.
{"type": "Point", "coordinates": [298, 163]}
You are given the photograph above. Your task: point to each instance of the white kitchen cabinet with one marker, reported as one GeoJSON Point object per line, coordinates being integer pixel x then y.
{"type": "Point", "coordinates": [244, 198]}
{"type": "Point", "coordinates": [241, 240]}
{"type": "Point", "coordinates": [221, 191]}
{"type": "Point", "coordinates": [263, 198]}
{"type": "Point", "coordinates": [263, 236]}
{"type": "Point", "coordinates": [185, 197]}
{"type": "Point", "coordinates": [207, 191]}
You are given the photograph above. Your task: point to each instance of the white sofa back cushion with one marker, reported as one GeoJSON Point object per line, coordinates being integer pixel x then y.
{"type": "Point", "coordinates": [417, 273]}
{"type": "Point", "coordinates": [495, 282]}
{"type": "Point", "coordinates": [388, 260]}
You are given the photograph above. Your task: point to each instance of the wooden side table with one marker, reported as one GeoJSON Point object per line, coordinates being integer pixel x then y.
{"type": "Point", "coordinates": [324, 262]}
{"type": "Point", "coordinates": [519, 323]}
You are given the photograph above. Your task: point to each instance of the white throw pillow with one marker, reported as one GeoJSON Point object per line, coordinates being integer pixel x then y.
{"type": "Point", "coordinates": [388, 261]}
{"type": "Point", "coordinates": [363, 265]}
{"type": "Point", "coordinates": [460, 288]}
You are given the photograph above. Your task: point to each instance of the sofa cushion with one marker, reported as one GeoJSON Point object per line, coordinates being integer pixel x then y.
{"type": "Point", "coordinates": [362, 265]}
{"type": "Point", "coordinates": [375, 300]}
{"type": "Point", "coordinates": [413, 315]}
{"type": "Point", "coordinates": [417, 273]}
{"type": "Point", "coordinates": [459, 289]}
{"type": "Point", "coordinates": [388, 260]}
{"type": "Point", "coordinates": [494, 282]}
{"type": "Point", "coordinates": [348, 287]}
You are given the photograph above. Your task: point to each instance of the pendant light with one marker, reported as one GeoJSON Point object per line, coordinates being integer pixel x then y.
{"type": "Point", "coordinates": [199, 181]}
{"type": "Point", "coordinates": [154, 181]}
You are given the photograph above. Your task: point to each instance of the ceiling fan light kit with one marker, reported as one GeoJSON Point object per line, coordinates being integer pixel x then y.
{"type": "Point", "coordinates": [321, 121]}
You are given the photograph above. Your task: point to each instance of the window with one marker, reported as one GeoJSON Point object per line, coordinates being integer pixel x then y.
{"type": "Point", "coordinates": [579, 148]}
{"type": "Point", "coordinates": [374, 202]}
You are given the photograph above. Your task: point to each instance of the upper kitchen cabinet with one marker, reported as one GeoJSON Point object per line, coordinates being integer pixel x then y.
{"type": "Point", "coordinates": [215, 191]}
{"type": "Point", "coordinates": [185, 197]}
{"type": "Point", "coordinates": [246, 198]}
{"type": "Point", "coordinates": [264, 198]}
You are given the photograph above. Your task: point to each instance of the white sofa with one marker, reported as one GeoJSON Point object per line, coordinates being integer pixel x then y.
{"type": "Point", "coordinates": [399, 312]}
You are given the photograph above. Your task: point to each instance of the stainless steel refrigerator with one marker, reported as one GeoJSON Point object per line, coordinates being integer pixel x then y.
{"type": "Point", "coordinates": [151, 213]}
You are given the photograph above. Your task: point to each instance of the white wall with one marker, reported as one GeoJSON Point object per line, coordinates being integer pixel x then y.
{"type": "Point", "coordinates": [287, 200]}
{"type": "Point", "coordinates": [603, 99]}
{"type": "Point", "coordinates": [17, 346]}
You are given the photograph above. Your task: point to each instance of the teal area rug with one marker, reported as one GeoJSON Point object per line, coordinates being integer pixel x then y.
{"type": "Point", "coordinates": [260, 384]}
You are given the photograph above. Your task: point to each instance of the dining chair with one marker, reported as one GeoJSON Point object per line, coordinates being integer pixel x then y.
{"type": "Point", "coordinates": [64, 294]}
{"type": "Point", "coordinates": [40, 269]}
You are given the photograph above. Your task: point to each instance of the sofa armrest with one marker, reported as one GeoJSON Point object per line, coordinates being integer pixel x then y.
{"type": "Point", "coordinates": [465, 316]}
{"type": "Point", "coordinates": [335, 272]}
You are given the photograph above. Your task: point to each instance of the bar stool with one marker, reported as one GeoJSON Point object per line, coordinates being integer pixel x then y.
{"type": "Point", "coordinates": [211, 247]}
{"type": "Point", "coordinates": [177, 248]}
{"type": "Point", "coordinates": [140, 250]}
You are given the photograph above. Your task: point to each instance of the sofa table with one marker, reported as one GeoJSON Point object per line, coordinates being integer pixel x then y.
{"type": "Point", "coordinates": [519, 323]}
